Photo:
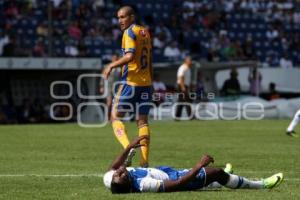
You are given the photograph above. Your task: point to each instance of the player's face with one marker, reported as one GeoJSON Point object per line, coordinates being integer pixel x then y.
{"type": "Point", "coordinates": [125, 20]}
{"type": "Point", "coordinates": [188, 61]}
{"type": "Point", "coordinates": [121, 175]}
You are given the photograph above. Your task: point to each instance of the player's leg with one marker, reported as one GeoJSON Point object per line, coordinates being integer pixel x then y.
{"type": "Point", "coordinates": [120, 129]}
{"type": "Point", "coordinates": [228, 169]}
{"type": "Point", "coordinates": [109, 101]}
{"type": "Point", "coordinates": [144, 129]}
{"type": "Point", "coordinates": [235, 182]}
{"type": "Point", "coordinates": [216, 175]}
{"type": "Point", "coordinates": [116, 115]}
{"type": "Point", "coordinates": [179, 107]}
{"type": "Point", "coordinates": [290, 130]}
{"type": "Point", "coordinates": [189, 106]}
{"type": "Point", "coordinates": [144, 100]}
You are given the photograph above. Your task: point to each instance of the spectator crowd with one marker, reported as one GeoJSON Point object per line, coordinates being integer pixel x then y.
{"type": "Point", "coordinates": [211, 30]}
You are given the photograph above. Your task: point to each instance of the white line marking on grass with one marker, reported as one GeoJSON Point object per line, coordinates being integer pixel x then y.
{"type": "Point", "coordinates": [52, 175]}
{"type": "Point", "coordinates": [86, 175]}
{"type": "Point", "coordinates": [291, 179]}
{"type": "Point", "coordinates": [266, 172]}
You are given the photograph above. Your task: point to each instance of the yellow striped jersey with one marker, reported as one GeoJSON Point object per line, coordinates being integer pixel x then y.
{"type": "Point", "coordinates": [138, 72]}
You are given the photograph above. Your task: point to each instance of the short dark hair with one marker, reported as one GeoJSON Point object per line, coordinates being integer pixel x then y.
{"type": "Point", "coordinates": [129, 10]}
{"type": "Point", "coordinates": [117, 188]}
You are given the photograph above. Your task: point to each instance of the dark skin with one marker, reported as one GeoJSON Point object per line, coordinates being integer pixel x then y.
{"type": "Point", "coordinates": [119, 161]}
{"type": "Point", "coordinates": [177, 185]}
{"type": "Point", "coordinates": [213, 174]}
{"type": "Point", "coordinates": [121, 174]}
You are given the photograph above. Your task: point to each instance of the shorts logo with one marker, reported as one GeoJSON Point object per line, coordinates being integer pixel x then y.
{"type": "Point", "coordinates": [119, 132]}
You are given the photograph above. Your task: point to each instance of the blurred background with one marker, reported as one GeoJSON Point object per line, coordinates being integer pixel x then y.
{"type": "Point", "coordinates": [242, 51]}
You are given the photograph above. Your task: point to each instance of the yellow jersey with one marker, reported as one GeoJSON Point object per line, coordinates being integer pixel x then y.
{"type": "Point", "coordinates": [138, 72]}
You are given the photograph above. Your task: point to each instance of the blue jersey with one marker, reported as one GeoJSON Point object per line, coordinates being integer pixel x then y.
{"type": "Point", "coordinates": [152, 179]}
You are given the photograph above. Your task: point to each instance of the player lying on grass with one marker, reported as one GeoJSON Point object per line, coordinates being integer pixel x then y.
{"type": "Point", "coordinates": [120, 179]}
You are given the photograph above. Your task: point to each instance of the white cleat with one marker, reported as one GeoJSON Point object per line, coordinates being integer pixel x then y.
{"type": "Point", "coordinates": [128, 160]}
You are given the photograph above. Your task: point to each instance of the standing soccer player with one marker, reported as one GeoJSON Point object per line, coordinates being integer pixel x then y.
{"type": "Point", "coordinates": [184, 80]}
{"type": "Point", "coordinates": [135, 92]}
{"type": "Point", "coordinates": [291, 128]}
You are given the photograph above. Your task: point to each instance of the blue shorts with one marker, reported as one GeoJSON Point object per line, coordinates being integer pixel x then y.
{"type": "Point", "coordinates": [137, 99]}
{"type": "Point", "coordinates": [198, 183]}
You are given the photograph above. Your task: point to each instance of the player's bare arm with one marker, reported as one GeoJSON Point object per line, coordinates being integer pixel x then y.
{"type": "Point", "coordinates": [119, 161]}
{"type": "Point", "coordinates": [181, 84]}
{"type": "Point", "coordinates": [128, 57]}
{"type": "Point", "coordinates": [178, 184]}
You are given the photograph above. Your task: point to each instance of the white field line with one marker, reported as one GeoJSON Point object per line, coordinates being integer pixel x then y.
{"type": "Point", "coordinates": [52, 175]}
{"type": "Point", "coordinates": [100, 175]}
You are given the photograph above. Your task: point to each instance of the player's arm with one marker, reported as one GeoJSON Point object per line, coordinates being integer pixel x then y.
{"type": "Point", "coordinates": [128, 57]}
{"type": "Point", "coordinates": [179, 184]}
{"type": "Point", "coordinates": [129, 48]}
{"type": "Point", "coordinates": [119, 161]}
{"type": "Point", "coordinates": [181, 83]}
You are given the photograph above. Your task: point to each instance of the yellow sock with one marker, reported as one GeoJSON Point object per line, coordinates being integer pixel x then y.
{"type": "Point", "coordinates": [144, 130]}
{"type": "Point", "coordinates": [120, 133]}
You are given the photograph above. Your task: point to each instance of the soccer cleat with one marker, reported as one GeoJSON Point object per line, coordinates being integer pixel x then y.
{"type": "Point", "coordinates": [292, 134]}
{"type": "Point", "coordinates": [273, 181]}
{"type": "Point", "coordinates": [131, 154]}
{"type": "Point", "coordinates": [228, 168]}
{"type": "Point", "coordinates": [146, 165]}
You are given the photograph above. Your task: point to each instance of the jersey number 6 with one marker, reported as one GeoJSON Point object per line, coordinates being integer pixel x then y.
{"type": "Point", "coordinates": [144, 58]}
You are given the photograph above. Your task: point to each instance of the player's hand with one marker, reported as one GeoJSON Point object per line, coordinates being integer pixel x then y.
{"type": "Point", "coordinates": [101, 90]}
{"type": "Point", "coordinates": [136, 142]}
{"type": "Point", "coordinates": [184, 90]}
{"type": "Point", "coordinates": [106, 72]}
{"type": "Point", "coordinates": [206, 160]}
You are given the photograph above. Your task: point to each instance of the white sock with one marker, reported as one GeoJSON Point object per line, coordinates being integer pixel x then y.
{"type": "Point", "coordinates": [236, 182]}
{"type": "Point", "coordinates": [294, 122]}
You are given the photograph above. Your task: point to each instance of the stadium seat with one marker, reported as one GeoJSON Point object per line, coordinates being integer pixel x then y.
{"type": "Point", "coordinates": [237, 16]}
{"type": "Point", "coordinates": [257, 44]}
{"type": "Point", "coordinates": [232, 34]}
{"type": "Point", "coordinates": [20, 31]}
{"type": "Point", "coordinates": [253, 26]}
{"type": "Point", "coordinates": [258, 35]}
{"type": "Point", "coordinates": [234, 25]}
{"type": "Point", "coordinates": [243, 25]}
{"type": "Point", "coordinates": [157, 6]}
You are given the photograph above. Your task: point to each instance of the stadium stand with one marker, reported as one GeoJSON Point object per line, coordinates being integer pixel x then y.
{"type": "Point", "coordinates": [91, 26]}
{"type": "Point", "coordinates": [212, 31]}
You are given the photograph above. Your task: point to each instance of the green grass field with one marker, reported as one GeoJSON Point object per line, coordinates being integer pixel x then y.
{"type": "Point", "coordinates": [67, 162]}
